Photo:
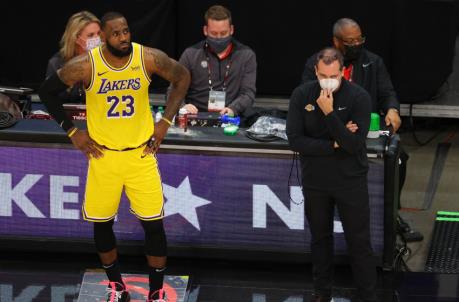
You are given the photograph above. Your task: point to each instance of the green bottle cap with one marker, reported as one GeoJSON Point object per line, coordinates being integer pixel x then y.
{"type": "Point", "coordinates": [230, 130]}
{"type": "Point", "coordinates": [374, 123]}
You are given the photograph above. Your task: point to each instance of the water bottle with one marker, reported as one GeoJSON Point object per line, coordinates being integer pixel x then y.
{"type": "Point", "coordinates": [159, 114]}
{"type": "Point", "coordinates": [374, 126]}
{"type": "Point", "coordinates": [183, 118]}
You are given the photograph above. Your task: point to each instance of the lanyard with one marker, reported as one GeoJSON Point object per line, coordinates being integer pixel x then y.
{"type": "Point", "coordinates": [348, 72]}
{"type": "Point", "coordinates": [209, 72]}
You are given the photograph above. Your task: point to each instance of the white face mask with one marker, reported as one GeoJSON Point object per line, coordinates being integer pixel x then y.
{"type": "Point", "coordinates": [331, 84]}
{"type": "Point", "coordinates": [92, 43]}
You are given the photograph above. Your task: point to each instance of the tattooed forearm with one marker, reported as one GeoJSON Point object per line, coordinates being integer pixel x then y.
{"type": "Point", "coordinates": [180, 79]}
{"type": "Point", "coordinates": [158, 62]}
{"type": "Point", "coordinates": [178, 72]}
{"type": "Point", "coordinates": [76, 70]}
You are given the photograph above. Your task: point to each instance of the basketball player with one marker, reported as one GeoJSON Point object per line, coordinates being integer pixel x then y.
{"type": "Point", "coordinates": [121, 141]}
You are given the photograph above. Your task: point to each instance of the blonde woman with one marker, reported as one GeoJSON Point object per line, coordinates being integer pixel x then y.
{"type": "Point", "coordinates": [82, 34]}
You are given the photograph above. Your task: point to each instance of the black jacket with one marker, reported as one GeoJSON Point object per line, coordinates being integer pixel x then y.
{"type": "Point", "coordinates": [312, 135]}
{"type": "Point", "coordinates": [240, 90]}
{"type": "Point", "coordinates": [370, 73]}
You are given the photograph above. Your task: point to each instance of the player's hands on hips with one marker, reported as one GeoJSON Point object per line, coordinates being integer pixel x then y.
{"type": "Point", "coordinates": [157, 137]}
{"type": "Point", "coordinates": [191, 108]}
{"type": "Point", "coordinates": [325, 101]}
{"type": "Point", "coordinates": [86, 144]}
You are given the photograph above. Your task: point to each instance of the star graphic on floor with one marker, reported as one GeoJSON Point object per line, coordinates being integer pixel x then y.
{"type": "Point", "coordinates": [181, 201]}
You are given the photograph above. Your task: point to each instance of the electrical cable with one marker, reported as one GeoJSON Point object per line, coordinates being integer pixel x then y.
{"type": "Point", "coordinates": [294, 163]}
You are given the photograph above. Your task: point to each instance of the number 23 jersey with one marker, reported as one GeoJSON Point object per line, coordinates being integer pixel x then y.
{"type": "Point", "coordinates": [117, 104]}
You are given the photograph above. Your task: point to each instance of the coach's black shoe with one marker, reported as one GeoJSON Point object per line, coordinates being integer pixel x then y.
{"type": "Point", "coordinates": [116, 292]}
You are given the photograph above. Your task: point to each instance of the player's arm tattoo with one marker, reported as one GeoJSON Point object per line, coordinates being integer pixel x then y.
{"type": "Point", "coordinates": [158, 62]}
{"type": "Point", "coordinates": [76, 70]}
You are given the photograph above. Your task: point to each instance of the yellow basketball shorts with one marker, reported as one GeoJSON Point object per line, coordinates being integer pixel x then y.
{"type": "Point", "coordinates": [115, 171]}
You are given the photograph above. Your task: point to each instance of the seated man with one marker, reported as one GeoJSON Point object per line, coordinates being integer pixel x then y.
{"type": "Point", "coordinates": [223, 70]}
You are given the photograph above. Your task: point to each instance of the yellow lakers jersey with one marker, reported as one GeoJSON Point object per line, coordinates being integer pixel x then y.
{"type": "Point", "coordinates": [117, 105]}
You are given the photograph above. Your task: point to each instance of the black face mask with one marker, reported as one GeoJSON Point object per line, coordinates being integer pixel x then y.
{"type": "Point", "coordinates": [352, 53]}
{"type": "Point", "coordinates": [218, 44]}
{"type": "Point", "coordinates": [119, 53]}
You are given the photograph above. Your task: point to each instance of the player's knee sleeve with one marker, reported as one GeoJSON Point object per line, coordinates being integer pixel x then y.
{"type": "Point", "coordinates": [155, 238]}
{"type": "Point", "coordinates": [104, 236]}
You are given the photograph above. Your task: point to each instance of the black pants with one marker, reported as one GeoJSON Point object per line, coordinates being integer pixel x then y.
{"type": "Point", "coordinates": [354, 212]}
{"type": "Point", "coordinates": [402, 172]}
